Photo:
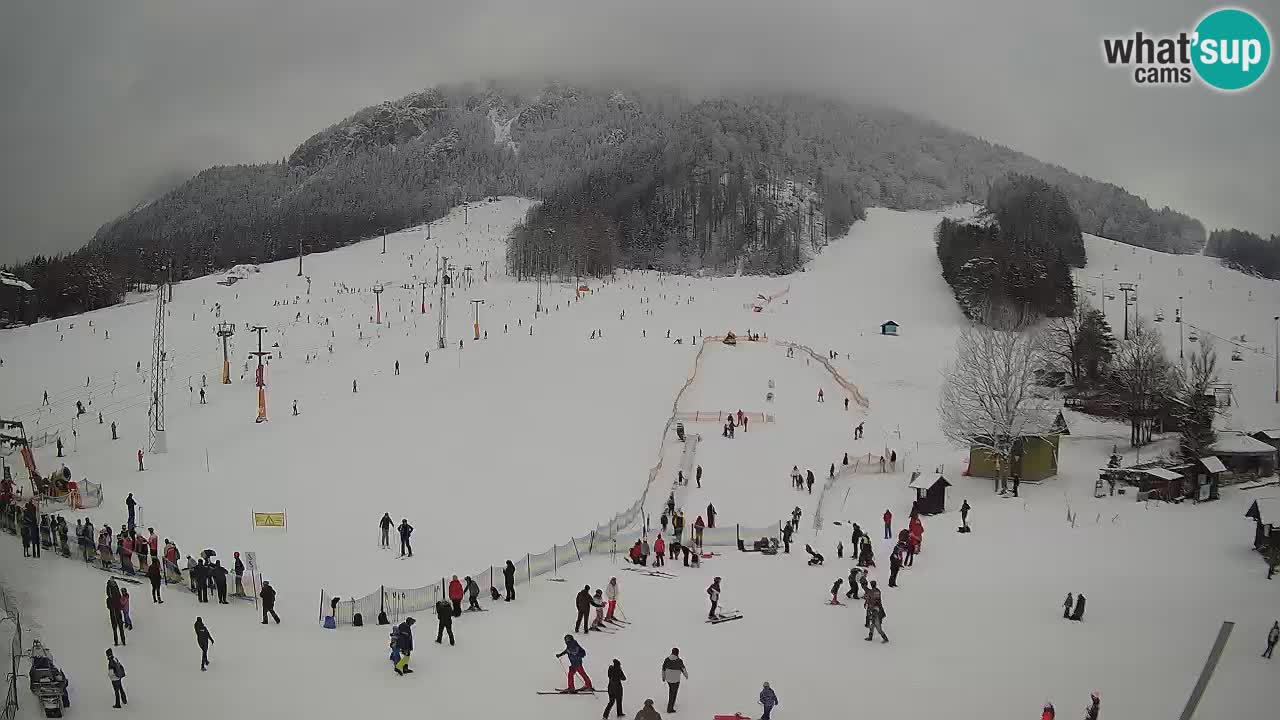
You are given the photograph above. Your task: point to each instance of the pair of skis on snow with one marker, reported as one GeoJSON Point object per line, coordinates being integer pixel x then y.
{"type": "Point", "coordinates": [724, 617]}
{"type": "Point", "coordinates": [617, 625]}
{"type": "Point", "coordinates": [653, 573]}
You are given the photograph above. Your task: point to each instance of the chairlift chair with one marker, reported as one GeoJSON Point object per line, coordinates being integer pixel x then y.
{"type": "Point", "coordinates": [1236, 356]}
{"type": "Point", "coordinates": [1193, 337]}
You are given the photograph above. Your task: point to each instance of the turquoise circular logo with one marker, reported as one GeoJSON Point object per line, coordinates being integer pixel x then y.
{"type": "Point", "coordinates": [1232, 49]}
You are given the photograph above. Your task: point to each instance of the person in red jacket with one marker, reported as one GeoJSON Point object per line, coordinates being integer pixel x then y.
{"type": "Point", "coordinates": [888, 525]}
{"type": "Point", "coordinates": [659, 551]}
{"type": "Point", "coordinates": [455, 595]}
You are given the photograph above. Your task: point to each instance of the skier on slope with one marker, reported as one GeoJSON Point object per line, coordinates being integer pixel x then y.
{"type": "Point", "coordinates": [659, 550]}
{"type": "Point", "coordinates": [582, 602]}
{"type": "Point", "coordinates": [386, 524]}
{"type": "Point", "coordinates": [473, 593]}
{"type": "Point", "coordinates": [456, 592]}
{"type": "Point", "coordinates": [713, 592]}
{"type": "Point", "coordinates": [611, 593]}
{"type": "Point", "coordinates": [597, 602]}
{"type": "Point", "coordinates": [402, 646]}
{"type": "Point", "coordinates": [835, 591]}
{"type": "Point", "coordinates": [576, 654]}
{"type": "Point", "coordinates": [405, 531]}
{"type": "Point", "coordinates": [444, 620]}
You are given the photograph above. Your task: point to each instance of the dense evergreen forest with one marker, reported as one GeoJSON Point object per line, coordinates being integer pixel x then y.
{"type": "Point", "coordinates": [630, 177]}
{"type": "Point", "coordinates": [1246, 252]}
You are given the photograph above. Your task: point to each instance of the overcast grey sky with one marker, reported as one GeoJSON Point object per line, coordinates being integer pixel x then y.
{"type": "Point", "coordinates": [108, 103]}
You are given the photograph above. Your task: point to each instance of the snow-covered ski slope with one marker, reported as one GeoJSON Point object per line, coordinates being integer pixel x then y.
{"type": "Point", "coordinates": [517, 442]}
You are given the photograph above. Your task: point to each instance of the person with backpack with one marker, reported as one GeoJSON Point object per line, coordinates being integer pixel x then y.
{"type": "Point", "coordinates": [673, 671]}
{"type": "Point", "coordinates": [616, 678]}
{"type": "Point", "coordinates": [768, 698]}
{"type": "Point", "coordinates": [115, 673]}
{"type": "Point", "coordinates": [576, 654]}
{"type": "Point", "coordinates": [402, 643]}
{"type": "Point", "coordinates": [204, 640]}
{"type": "Point", "coordinates": [444, 621]}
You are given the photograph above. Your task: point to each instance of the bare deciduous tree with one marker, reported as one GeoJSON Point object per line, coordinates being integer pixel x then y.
{"type": "Point", "coordinates": [986, 399]}
{"type": "Point", "coordinates": [1141, 380]}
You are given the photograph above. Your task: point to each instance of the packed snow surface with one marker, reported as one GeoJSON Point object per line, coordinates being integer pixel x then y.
{"type": "Point", "coordinates": [539, 432]}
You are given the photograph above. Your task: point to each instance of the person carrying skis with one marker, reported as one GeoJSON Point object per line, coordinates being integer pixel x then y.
{"type": "Point", "coordinates": [611, 593]}
{"type": "Point", "coordinates": [616, 678]}
{"type": "Point", "coordinates": [385, 524]}
{"type": "Point", "coordinates": [576, 654]}
{"type": "Point", "coordinates": [673, 670]}
{"type": "Point", "coordinates": [509, 579]}
{"type": "Point", "coordinates": [204, 640]}
{"type": "Point", "coordinates": [768, 698]}
{"type": "Point", "coordinates": [444, 620]}
{"type": "Point", "coordinates": [713, 592]}
{"type": "Point", "coordinates": [582, 601]}
{"type": "Point", "coordinates": [473, 593]}
{"type": "Point", "coordinates": [405, 531]}
{"type": "Point", "coordinates": [456, 592]}
{"type": "Point", "coordinates": [1272, 638]}
{"type": "Point", "coordinates": [402, 646]}
{"type": "Point", "coordinates": [660, 550]}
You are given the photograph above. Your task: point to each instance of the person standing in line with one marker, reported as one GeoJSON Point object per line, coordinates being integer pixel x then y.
{"type": "Point", "coordinates": [405, 531]}
{"type": "Point", "coordinates": [204, 640]}
{"type": "Point", "coordinates": [888, 525]}
{"type": "Point", "coordinates": [768, 698]}
{"type": "Point", "coordinates": [616, 678]}
{"type": "Point", "coordinates": [268, 596]}
{"type": "Point", "coordinates": [1272, 638]}
{"type": "Point", "coordinates": [509, 579]}
{"type": "Point", "coordinates": [115, 673]}
{"type": "Point", "coordinates": [673, 670]}
{"type": "Point", "coordinates": [131, 504]}
{"type": "Point", "coordinates": [115, 614]}
{"type": "Point", "coordinates": [385, 524]}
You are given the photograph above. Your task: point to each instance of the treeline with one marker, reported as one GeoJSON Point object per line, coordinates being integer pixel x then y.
{"type": "Point", "coordinates": [1246, 252]}
{"type": "Point", "coordinates": [635, 177]}
{"type": "Point", "coordinates": [1018, 255]}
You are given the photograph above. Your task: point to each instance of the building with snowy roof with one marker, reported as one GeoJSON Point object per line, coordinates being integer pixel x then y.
{"type": "Point", "coordinates": [1244, 455]}
{"type": "Point", "coordinates": [17, 300]}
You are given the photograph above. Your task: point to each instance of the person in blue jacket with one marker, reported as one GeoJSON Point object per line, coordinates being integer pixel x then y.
{"type": "Point", "coordinates": [402, 646]}
{"type": "Point", "coordinates": [768, 699]}
{"type": "Point", "coordinates": [576, 654]}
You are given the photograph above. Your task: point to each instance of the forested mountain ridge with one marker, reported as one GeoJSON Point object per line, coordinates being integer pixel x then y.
{"type": "Point", "coordinates": [627, 176]}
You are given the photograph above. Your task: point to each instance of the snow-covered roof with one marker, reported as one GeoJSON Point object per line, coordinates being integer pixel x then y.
{"type": "Point", "coordinates": [1213, 464]}
{"type": "Point", "coordinates": [1269, 434]}
{"type": "Point", "coordinates": [9, 279]}
{"type": "Point", "coordinates": [924, 481]}
{"type": "Point", "coordinates": [1162, 473]}
{"type": "Point", "coordinates": [1268, 510]}
{"type": "Point", "coordinates": [1240, 444]}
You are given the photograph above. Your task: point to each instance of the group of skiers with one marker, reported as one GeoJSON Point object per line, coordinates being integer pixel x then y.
{"type": "Point", "coordinates": [673, 672]}
{"type": "Point", "coordinates": [732, 422]}
{"type": "Point", "coordinates": [405, 530]}
{"type": "Point", "coordinates": [799, 481]}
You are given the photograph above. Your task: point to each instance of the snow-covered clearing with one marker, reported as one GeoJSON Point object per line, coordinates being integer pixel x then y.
{"type": "Point", "coordinates": [519, 441]}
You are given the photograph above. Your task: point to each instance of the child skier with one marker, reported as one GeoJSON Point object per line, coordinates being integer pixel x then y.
{"type": "Point", "coordinates": [835, 591]}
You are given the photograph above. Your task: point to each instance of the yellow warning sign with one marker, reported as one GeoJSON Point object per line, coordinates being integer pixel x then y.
{"type": "Point", "coordinates": [268, 519]}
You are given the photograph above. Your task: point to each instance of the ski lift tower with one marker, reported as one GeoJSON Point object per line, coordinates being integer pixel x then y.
{"type": "Point", "coordinates": [156, 441]}
{"type": "Point", "coordinates": [260, 377]}
{"type": "Point", "coordinates": [444, 302]}
{"type": "Point", "coordinates": [226, 330]}
{"type": "Point", "coordinates": [1128, 288]}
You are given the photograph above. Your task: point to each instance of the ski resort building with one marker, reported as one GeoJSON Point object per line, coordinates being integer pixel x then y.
{"type": "Point", "coordinates": [17, 300]}
{"type": "Point", "coordinates": [931, 493]}
{"type": "Point", "coordinates": [1265, 513]}
{"type": "Point", "coordinates": [1244, 455]}
{"type": "Point", "coordinates": [889, 328]}
{"type": "Point", "coordinates": [1035, 457]}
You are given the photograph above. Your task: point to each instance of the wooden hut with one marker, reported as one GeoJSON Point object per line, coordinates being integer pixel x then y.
{"type": "Point", "coordinates": [1265, 513]}
{"type": "Point", "coordinates": [889, 328]}
{"type": "Point", "coordinates": [931, 493]}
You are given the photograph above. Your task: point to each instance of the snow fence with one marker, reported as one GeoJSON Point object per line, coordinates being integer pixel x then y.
{"type": "Point", "coordinates": [613, 537]}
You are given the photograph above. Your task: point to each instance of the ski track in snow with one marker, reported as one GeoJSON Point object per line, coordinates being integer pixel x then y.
{"type": "Point", "coordinates": [518, 442]}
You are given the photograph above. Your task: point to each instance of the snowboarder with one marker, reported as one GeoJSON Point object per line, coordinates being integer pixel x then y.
{"type": "Point", "coordinates": [888, 525]}
{"type": "Point", "coordinates": [115, 673]}
{"type": "Point", "coordinates": [698, 475]}
{"type": "Point", "coordinates": [385, 524]}
{"type": "Point", "coordinates": [616, 678]}
{"type": "Point", "coordinates": [456, 592]}
{"type": "Point", "coordinates": [1272, 638]}
{"type": "Point", "coordinates": [204, 640]}
{"type": "Point", "coordinates": [768, 698]}
{"type": "Point", "coordinates": [444, 620]}
{"type": "Point", "coordinates": [1078, 613]}
{"type": "Point", "coordinates": [582, 601]}
{"type": "Point", "coordinates": [509, 579]}
{"type": "Point", "coordinates": [964, 513]}
{"type": "Point", "coordinates": [711, 515]}
{"type": "Point", "coordinates": [402, 646]}
{"type": "Point", "coordinates": [405, 531]}
{"type": "Point", "coordinates": [473, 593]}
{"type": "Point", "coordinates": [611, 593]}
{"type": "Point", "coordinates": [268, 595]}
{"type": "Point", "coordinates": [660, 551]}
{"type": "Point", "coordinates": [1066, 607]}
{"type": "Point", "coordinates": [713, 592]}
{"type": "Point", "coordinates": [815, 558]}
{"type": "Point", "coordinates": [576, 654]}
{"type": "Point", "coordinates": [673, 671]}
